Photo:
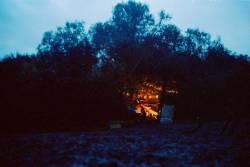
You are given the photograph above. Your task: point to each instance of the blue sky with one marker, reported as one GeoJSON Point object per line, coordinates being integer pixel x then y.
{"type": "Point", "coordinates": [23, 22]}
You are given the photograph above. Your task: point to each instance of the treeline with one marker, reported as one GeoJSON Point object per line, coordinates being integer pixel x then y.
{"type": "Point", "coordinates": [77, 76]}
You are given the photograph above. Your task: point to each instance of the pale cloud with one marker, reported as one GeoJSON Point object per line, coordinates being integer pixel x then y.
{"type": "Point", "coordinates": [23, 22]}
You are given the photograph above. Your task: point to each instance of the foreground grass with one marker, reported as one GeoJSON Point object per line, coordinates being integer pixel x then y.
{"type": "Point", "coordinates": [141, 146]}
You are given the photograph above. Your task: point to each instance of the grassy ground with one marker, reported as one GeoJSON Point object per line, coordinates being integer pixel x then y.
{"type": "Point", "coordinates": [141, 146]}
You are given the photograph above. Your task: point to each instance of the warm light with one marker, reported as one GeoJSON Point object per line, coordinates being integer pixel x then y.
{"type": "Point", "coordinates": [172, 91]}
{"type": "Point", "coordinates": [149, 112]}
{"type": "Point", "coordinates": [147, 98]}
{"type": "Point", "coordinates": [138, 109]}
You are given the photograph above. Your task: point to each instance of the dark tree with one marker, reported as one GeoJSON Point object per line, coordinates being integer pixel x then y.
{"type": "Point", "coordinates": [78, 77]}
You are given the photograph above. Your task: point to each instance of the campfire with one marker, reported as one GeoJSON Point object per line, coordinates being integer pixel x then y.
{"type": "Point", "coordinates": [146, 99]}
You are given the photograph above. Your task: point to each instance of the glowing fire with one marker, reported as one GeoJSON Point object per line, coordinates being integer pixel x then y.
{"type": "Point", "coordinates": [149, 112]}
{"type": "Point", "coordinates": [146, 98]}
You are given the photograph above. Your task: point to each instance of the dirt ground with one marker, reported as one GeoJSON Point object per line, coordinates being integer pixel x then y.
{"type": "Point", "coordinates": [172, 145]}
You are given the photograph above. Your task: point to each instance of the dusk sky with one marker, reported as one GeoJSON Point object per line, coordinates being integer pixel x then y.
{"type": "Point", "coordinates": [23, 22]}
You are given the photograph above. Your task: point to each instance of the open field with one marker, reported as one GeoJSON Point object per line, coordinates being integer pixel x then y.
{"type": "Point", "coordinates": [141, 146]}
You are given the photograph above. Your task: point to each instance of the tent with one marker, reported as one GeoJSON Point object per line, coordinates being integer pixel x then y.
{"type": "Point", "coordinates": [167, 114]}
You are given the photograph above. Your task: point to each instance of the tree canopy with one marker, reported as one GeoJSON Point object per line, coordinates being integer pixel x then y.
{"type": "Point", "coordinates": [77, 75]}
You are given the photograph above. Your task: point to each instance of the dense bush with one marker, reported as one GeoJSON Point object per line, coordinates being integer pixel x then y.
{"type": "Point", "coordinates": [76, 78]}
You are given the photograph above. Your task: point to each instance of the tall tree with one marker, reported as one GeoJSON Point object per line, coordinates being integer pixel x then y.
{"type": "Point", "coordinates": [68, 42]}
{"type": "Point", "coordinates": [197, 42]}
{"type": "Point", "coordinates": [129, 23]}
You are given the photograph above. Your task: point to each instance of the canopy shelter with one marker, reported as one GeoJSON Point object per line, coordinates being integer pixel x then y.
{"type": "Point", "coordinates": [146, 99]}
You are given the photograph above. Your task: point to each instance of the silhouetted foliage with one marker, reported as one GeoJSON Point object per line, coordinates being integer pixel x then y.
{"type": "Point", "coordinates": [76, 78]}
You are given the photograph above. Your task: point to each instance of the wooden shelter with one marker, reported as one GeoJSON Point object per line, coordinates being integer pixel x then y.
{"type": "Point", "coordinates": [147, 99]}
